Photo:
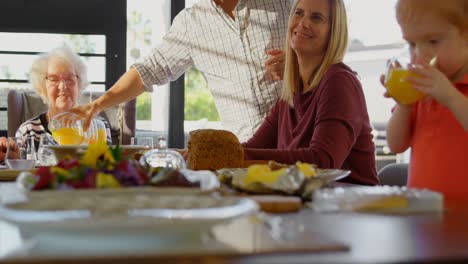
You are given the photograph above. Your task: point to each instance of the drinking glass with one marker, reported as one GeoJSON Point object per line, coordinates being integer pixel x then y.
{"type": "Point", "coordinates": [45, 155]}
{"type": "Point", "coordinates": [96, 132]}
{"type": "Point", "coordinates": [397, 85]}
{"type": "Point", "coordinates": [101, 130]}
{"type": "Point", "coordinates": [395, 79]}
{"type": "Point", "coordinates": [19, 156]}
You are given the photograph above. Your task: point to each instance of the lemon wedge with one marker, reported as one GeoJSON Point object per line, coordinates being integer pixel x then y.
{"type": "Point", "coordinates": [263, 174]}
{"type": "Point", "coordinates": [307, 169]}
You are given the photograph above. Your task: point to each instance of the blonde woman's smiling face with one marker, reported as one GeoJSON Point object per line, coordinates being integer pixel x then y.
{"type": "Point", "coordinates": [309, 27]}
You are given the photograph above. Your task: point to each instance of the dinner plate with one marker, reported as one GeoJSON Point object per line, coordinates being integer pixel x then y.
{"type": "Point", "coordinates": [61, 151]}
{"type": "Point", "coordinates": [129, 147]}
{"type": "Point", "coordinates": [10, 175]}
{"type": "Point", "coordinates": [122, 211]}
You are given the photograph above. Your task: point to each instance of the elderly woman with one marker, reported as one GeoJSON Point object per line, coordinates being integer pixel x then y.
{"type": "Point", "coordinates": [59, 77]}
{"type": "Point", "coordinates": [321, 116]}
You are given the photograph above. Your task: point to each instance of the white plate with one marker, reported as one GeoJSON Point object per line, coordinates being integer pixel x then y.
{"type": "Point", "coordinates": [125, 147]}
{"type": "Point", "coordinates": [61, 151]}
{"type": "Point", "coordinates": [124, 211]}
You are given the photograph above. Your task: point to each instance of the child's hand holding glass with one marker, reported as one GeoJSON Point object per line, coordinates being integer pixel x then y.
{"type": "Point", "coordinates": [428, 79]}
{"type": "Point", "coordinates": [405, 81]}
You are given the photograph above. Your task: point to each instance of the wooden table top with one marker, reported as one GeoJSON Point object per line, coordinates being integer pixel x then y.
{"type": "Point", "coordinates": [371, 238]}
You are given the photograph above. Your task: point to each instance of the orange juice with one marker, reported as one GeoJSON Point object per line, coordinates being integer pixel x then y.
{"type": "Point", "coordinates": [102, 135]}
{"type": "Point", "coordinates": [68, 136]}
{"type": "Point", "coordinates": [400, 89]}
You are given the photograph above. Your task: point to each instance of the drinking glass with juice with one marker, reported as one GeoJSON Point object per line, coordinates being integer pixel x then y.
{"type": "Point", "coordinates": [397, 85]}
{"type": "Point", "coordinates": [97, 132]}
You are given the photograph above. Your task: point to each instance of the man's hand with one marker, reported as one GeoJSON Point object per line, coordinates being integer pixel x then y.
{"type": "Point", "coordinates": [275, 64]}
{"type": "Point", "coordinates": [87, 112]}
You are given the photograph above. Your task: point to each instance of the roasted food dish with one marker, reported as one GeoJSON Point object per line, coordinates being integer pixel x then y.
{"type": "Point", "coordinates": [210, 149]}
{"type": "Point", "coordinates": [300, 179]}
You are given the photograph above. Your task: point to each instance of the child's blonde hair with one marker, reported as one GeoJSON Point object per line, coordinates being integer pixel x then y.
{"type": "Point", "coordinates": [335, 51]}
{"type": "Point", "coordinates": [454, 11]}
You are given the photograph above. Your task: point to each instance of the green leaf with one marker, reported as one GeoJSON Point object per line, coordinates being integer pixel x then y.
{"type": "Point", "coordinates": [117, 153]}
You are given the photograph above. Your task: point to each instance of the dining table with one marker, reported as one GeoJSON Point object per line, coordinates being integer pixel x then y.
{"type": "Point", "coordinates": [305, 236]}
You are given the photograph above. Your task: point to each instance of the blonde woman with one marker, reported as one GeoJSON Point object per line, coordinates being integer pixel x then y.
{"type": "Point", "coordinates": [321, 116]}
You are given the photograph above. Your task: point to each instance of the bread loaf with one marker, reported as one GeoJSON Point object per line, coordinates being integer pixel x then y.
{"type": "Point", "coordinates": [211, 149]}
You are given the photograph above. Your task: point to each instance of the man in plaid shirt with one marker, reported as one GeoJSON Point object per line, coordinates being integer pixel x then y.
{"type": "Point", "coordinates": [237, 46]}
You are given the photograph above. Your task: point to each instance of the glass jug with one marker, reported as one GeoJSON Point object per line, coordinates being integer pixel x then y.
{"type": "Point", "coordinates": [67, 129]}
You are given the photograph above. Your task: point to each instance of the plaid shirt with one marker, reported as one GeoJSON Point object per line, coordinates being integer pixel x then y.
{"type": "Point", "coordinates": [229, 53]}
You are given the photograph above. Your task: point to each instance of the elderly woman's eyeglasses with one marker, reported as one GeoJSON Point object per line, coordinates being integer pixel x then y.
{"type": "Point", "coordinates": [69, 80]}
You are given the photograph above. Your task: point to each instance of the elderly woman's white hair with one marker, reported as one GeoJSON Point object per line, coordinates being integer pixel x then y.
{"type": "Point", "coordinates": [40, 64]}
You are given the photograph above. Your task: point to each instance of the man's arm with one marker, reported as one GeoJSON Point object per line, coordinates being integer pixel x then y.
{"type": "Point", "coordinates": [166, 62]}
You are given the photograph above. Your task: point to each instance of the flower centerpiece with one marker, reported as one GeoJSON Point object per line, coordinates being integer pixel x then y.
{"type": "Point", "coordinates": [101, 166]}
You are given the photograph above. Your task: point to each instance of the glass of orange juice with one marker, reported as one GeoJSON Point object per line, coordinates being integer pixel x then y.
{"type": "Point", "coordinates": [397, 85]}
{"type": "Point", "coordinates": [101, 130]}
{"type": "Point", "coordinates": [97, 132]}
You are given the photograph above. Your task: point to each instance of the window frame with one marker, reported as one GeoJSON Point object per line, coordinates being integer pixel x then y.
{"type": "Point", "coordinates": [176, 136]}
{"type": "Point", "coordinates": [87, 17]}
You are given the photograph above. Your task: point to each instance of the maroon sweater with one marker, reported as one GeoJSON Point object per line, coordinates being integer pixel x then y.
{"type": "Point", "coordinates": [328, 126]}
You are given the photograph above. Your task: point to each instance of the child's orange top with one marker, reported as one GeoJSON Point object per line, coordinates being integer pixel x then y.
{"type": "Point", "coordinates": [439, 149]}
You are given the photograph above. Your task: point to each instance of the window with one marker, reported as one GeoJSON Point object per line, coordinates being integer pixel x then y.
{"type": "Point", "coordinates": [374, 38]}
{"type": "Point", "coordinates": [31, 27]}
{"type": "Point", "coordinates": [147, 23]}
{"type": "Point", "coordinates": [18, 50]}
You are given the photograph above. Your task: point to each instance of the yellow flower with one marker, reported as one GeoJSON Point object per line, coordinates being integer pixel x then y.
{"type": "Point", "coordinates": [97, 152]}
{"type": "Point", "coordinates": [105, 180]}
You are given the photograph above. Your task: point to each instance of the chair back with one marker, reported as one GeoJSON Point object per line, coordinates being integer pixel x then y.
{"type": "Point", "coordinates": [394, 174]}
{"type": "Point", "coordinates": [24, 105]}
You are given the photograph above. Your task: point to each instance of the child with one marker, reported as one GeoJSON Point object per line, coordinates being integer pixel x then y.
{"type": "Point", "coordinates": [436, 127]}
